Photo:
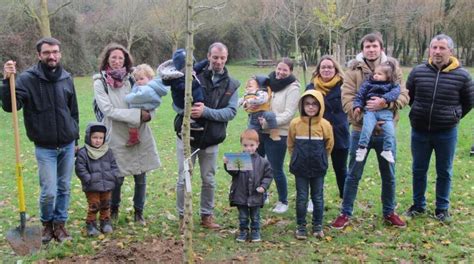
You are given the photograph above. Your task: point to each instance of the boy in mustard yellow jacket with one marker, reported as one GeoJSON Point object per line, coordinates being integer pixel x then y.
{"type": "Point", "coordinates": [310, 142]}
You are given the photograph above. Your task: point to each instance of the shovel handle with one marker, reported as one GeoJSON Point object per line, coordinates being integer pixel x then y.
{"type": "Point", "coordinates": [18, 167]}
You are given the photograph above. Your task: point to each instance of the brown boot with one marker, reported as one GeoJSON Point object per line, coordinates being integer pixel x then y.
{"type": "Point", "coordinates": [47, 233]}
{"type": "Point", "coordinates": [133, 137]}
{"type": "Point", "coordinates": [60, 232]}
{"type": "Point", "coordinates": [275, 134]}
{"type": "Point", "coordinates": [207, 221]}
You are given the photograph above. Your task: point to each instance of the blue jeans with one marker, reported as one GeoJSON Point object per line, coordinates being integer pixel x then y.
{"type": "Point", "coordinates": [139, 194]}
{"type": "Point", "coordinates": [356, 169]}
{"type": "Point", "coordinates": [316, 184]}
{"type": "Point", "coordinates": [370, 120]}
{"type": "Point", "coordinates": [275, 151]}
{"type": "Point", "coordinates": [422, 145]}
{"type": "Point", "coordinates": [339, 164]}
{"type": "Point", "coordinates": [269, 117]}
{"type": "Point", "coordinates": [246, 213]}
{"type": "Point", "coordinates": [55, 168]}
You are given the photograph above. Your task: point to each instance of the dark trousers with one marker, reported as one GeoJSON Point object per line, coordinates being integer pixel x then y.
{"type": "Point", "coordinates": [98, 202]}
{"type": "Point", "coordinates": [304, 186]}
{"type": "Point", "coordinates": [138, 195]}
{"type": "Point", "coordinates": [249, 213]}
{"type": "Point", "coordinates": [339, 164]}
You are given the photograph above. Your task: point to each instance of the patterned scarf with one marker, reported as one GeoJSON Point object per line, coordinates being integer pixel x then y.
{"type": "Point", "coordinates": [325, 87]}
{"type": "Point", "coordinates": [115, 77]}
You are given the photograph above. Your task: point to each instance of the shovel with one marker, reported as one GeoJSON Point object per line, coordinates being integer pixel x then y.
{"type": "Point", "coordinates": [23, 240]}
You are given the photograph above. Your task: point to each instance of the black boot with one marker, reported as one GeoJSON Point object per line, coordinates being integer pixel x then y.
{"type": "Point", "coordinates": [114, 211]}
{"type": "Point", "coordinates": [106, 226]}
{"type": "Point", "coordinates": [92, 230]}
{"type": "Point", "coordinates": [138, 217]}
{"type": "Point", "coordinates": [47, 232]}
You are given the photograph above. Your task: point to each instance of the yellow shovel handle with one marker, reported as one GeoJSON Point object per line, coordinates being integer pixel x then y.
{"type": "Point", "coordinates": [18, 172]}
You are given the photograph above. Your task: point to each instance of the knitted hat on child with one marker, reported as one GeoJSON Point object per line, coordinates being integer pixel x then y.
{"type": "Point", "coordinates": [179, 59]}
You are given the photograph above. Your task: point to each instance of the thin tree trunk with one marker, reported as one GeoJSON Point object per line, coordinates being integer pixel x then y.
{"type": "Point", "coordinates": [43, 22]}
{"type": "Point", "coordinates": [188, 253]}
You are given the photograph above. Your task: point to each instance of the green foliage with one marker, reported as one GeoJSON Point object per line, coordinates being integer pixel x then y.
{"type": "Point", "coordinates": [367, 239]}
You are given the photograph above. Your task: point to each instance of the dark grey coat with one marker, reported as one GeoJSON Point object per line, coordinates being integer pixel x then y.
{"type": "Point", "coordinates": [243, 190]}
{"type": "Point", "coordinates": [98, 175]}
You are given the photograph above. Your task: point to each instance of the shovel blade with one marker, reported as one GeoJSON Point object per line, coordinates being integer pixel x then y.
{"type": "Point", "coordinates": [25, 241]}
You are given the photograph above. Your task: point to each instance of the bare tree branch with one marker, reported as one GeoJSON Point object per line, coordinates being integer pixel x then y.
{"type": "Point", "coordinates": [59, 8]}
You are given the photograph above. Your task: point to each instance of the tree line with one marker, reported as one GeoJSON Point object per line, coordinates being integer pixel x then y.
{"type": "Point", "coordinates": [252, 29]}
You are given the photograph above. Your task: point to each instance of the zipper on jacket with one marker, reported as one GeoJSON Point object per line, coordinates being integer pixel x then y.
{"type": "Point", "coordinates": [432, 100]}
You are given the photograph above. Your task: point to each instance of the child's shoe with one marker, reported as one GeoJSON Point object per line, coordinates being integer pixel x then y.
{"type": "Point", "coordinates": [472, 151]}
{"type": "Point", "coordinates": [443, 216]}
{"type": "Point", "coordinates": [275, 134]}
{"type": "Point", "coordinates": [133, 137]}
{"type": "Point", "coordinates": [195, 126]}
{"type": "Point", "coordinates": [243, 235]}
{"type": "Point", "coordinates": [387, 154]}
{"type": "Point", "coordinates": [360, 154]}
{"type": "Point", "coordinates": [255, 235]}
{"type": "Point", "coordinates": [92, 230]}
{"type": "Point", "coordinates": [318, 232]}
{"type": "Point", "coordinates": [106, 226]}
{"type": "Point", "coordinates": [301, 233]}
{"type": "Point", "coordinates": [280, 208]}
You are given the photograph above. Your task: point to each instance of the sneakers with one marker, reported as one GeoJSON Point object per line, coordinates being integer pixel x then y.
{"type": "Point", "coordinates": [387, 154]}
{"type": "Point", "coordinates": [472, 151]}
{"type": "Point", "coordinates": [310, 206]}
{"type": "Point", "coordinates": [341, 221]}
{"type": "Point", "coordinates": [394, 220]}
{"type": "Point", "coordinates": [106, 227]}
{"type": "Point", "coordinates": [318, 231]}
{"type": "Point", "coordinates": [243, 235]}
{"type": "Point", "coordinates": [60, 232]}
{"type": "Point", "coordinates": [414, 211]}
{"type": "Point", "coordinates": [255, 235]}
{"type": "Point", "coordinates": [360, 154]}
{"type": "Point", "coordinates": [442, 215]}
{"type": "Point", "coordinates": [92, 230]}
{"type": "Point", "coordinates": [280, 208]}
{"type": "Point", "coordinates": [301, 233]}
{"type": "Point", "coordinates": [47, 233]}
{"type": "Point", "coordinates": [267, 198]}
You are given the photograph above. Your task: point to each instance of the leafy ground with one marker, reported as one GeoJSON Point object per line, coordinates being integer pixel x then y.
{"type": "Point", "coordinates": [367, 239]}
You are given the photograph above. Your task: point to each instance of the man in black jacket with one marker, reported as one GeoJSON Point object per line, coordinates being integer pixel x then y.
{"type": "Point", "coordinates": [46, 93]}
{"type": "Point", "coordinates": [441, 93]}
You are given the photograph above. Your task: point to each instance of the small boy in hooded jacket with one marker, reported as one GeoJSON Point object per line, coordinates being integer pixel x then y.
{"type": "Point", "coordinates": [98, 171]}
{"type": "Point", "coordinates": [248, 188]}
{"type": "Point", "coordinates": [310, 142]}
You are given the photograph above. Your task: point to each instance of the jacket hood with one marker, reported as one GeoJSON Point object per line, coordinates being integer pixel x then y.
{"type": "Point", "coordinates": [36, 70]}
{"type": "Point", "coordinates": [359, 62]}
{"type": "Point", "coordinates": [319, 97]}
{"type": "Point", "coordinates": [96, 125]}
{"type": "Point", "coordinates": [453, 64]}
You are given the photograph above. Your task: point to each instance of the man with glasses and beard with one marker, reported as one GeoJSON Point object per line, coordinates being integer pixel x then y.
{"type": "Point", "coordinates": [46, 93]}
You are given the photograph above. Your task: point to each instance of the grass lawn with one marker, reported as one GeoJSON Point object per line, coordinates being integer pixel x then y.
{"type": "Point", "coordinates": [367, 239]}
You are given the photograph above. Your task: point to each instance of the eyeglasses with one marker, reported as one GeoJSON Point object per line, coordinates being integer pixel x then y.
{"type": "Point", "coordinates": [313, 104]}
{"type": "Point", "coordinates": [48, 53]}
{"type": "Point", "coordinates": [327, 67]}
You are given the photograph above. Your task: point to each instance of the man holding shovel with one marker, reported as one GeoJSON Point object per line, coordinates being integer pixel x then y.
{"type": "Point", "coordinates": [46, 93]}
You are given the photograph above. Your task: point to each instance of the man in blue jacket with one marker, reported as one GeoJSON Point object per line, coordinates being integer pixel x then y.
{"type": "Point", "coordinates": [441, 93]}
{"type": "Point", "coordinates": [46, 93]}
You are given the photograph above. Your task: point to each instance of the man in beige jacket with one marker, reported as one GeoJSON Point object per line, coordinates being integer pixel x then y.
{"type": "Point", "coordinates": [359, 70]}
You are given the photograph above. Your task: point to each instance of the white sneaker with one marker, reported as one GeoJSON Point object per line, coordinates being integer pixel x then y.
{"type": "Point", "coordinates": [280, 208]}
{"type": "Point", "coordinates": [387, 154]}
{"type": "Point", "coordinates": [310, 206]}
{"type": "Point", "coordinates": [267, 199]}
{"type": "Point", "coordinates": [360, 154]}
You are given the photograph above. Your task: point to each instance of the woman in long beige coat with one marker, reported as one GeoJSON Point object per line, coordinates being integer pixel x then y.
{"type": "Point", "coordinates": [111, 86]}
